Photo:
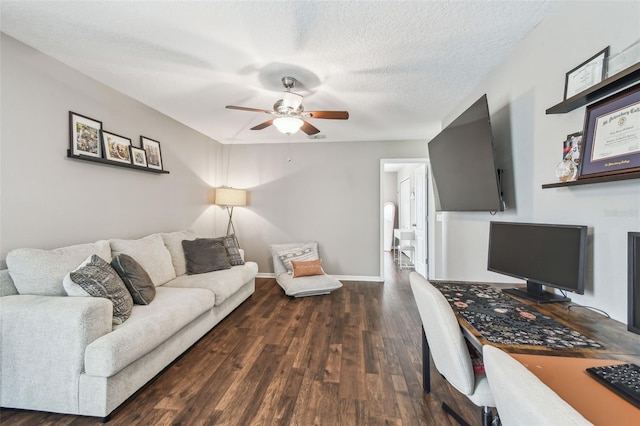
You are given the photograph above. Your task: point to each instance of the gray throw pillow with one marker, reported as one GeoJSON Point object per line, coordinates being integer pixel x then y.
{"type": "Point", "coordinates": [135, 278]}
{"type": "Point", "coordinates": [233, 251]}
{"type": "Point", "coordinates": [98, 279]}
{"type": "Point", "coordinates": [205, 255]}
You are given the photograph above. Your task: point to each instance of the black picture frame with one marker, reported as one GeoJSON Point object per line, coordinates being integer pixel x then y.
{"type": "Point", "coordinates": [633, 296]}
{"type": "Point", "coordinates": [154, 154]}
{"type": "Point", "coordinates": [116, 147]}
{"type": "Point", "coordinates": [138, 156]}
{"type": "Point", "coordinates": [85, 135]}
{"type": "Point", "coordinates": [605, 151]}
{"type": "Point", "coordinates": [587, 74]}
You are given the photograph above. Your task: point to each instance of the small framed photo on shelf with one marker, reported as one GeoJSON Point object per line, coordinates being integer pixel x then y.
{"type": "Point", "coordinates": [84, 135]}
{"type": "Point", "coordinates": [567, 169]}
{"type": "Point", "coordinates": [587, 74]}
{"type": "Point", "coordinates": [154, 156]}
{"type": "Point", "coordinates": [116, 147]}
{"type": "Point", "coordinates": [611, 143]}
{"type": "Point", "coordinates": [572, 148]}
{"type": "Point", "coordinates": [139, 156]}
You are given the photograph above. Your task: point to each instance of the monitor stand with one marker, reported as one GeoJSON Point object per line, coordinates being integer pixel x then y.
{"type": "Point", "coordinates": [534, 292]}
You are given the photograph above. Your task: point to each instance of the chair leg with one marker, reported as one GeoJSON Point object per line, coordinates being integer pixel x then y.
{"type": "Point", "coordinates": [487, 416]}
{"type": "Point", "coordinates": [455, 415]}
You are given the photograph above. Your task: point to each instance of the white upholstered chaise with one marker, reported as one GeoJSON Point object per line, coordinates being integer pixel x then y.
{"type": "Point", "coordinates": [302, 286]}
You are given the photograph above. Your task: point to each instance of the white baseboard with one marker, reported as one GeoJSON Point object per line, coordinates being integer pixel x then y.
{"type": "Point", "coordinates": [338, 277]}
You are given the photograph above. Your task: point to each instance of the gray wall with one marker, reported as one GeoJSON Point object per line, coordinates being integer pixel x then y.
{"type": "Point", "coordinates": [528, 145]}
{"type": "Point", "coordinates": [327, 192]}
{"type": "Point", "coordinates": [48, 200]}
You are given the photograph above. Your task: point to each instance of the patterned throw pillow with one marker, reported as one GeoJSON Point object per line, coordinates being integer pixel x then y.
{"type": "Point", "coordinates": [205, 255]}
{"type": "Point", "coordinates": [298, 253]}
{"type": "Point", "coordinates": [306, 268]}
{"type": "Point", "coordinates": [96, 278]}
{"type": "Point", "coordinates": [233, 251]}
{"type": "Point", "coordinates": [135, 278]}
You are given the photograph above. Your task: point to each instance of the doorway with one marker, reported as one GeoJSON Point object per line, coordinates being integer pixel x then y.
{"type": "Point", "coordinates": [406, 183]}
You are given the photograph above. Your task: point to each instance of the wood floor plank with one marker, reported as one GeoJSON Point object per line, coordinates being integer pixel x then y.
{"type": "Point", "coordinates": [349, 358]}
{"type": "Point", "coordinates": [332, 365]}
{"type": "Point", "coordinates": [267, 411]}
{"type": "Point", "coordinates": [352, 372]}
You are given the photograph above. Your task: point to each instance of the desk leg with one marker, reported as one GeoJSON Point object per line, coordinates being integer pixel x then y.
{"type": "Point", "coordinates": [426, 373]}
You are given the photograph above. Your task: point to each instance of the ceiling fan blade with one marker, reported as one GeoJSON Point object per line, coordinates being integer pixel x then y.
{"type": "Point", "coordinates": [334, 115]}
{"type": "Point", "coordinates": [248, 109]}
{"type": "Point", "coordinates": [309, 128]}
{"type": "Point", "coordinates": [263, 125]}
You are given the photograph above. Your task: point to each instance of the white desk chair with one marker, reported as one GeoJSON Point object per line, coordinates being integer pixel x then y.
{"type": "Point", "coordinates": [521, 398]}
{"type": "Point", "coordinates": [448, 348]}
{"type": "Point", "coordinates": [405, 244]}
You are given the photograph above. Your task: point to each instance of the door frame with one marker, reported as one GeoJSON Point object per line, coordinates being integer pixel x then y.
{"type": "Point", "coordinates": [430, 212]}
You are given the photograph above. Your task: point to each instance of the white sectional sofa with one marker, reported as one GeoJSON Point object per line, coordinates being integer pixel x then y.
{"type": "Point", "coordinates": [63, 354]}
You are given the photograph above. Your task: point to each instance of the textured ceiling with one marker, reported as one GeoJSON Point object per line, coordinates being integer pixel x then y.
{"type": "Point", "coordinates": [397, 67]}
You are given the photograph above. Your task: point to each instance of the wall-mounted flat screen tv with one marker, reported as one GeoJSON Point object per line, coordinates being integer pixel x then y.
{"type": "Point", "coordinates": [463, 164]}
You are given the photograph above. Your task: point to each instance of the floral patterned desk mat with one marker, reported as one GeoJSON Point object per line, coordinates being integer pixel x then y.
{"type": "Point", "coordinates": [503, 320]}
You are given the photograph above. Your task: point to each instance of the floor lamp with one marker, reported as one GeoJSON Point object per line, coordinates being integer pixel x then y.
{"type": "Point", "coordinates": [230, 198]}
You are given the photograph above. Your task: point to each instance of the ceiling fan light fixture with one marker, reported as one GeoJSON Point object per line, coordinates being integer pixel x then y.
{"type": "Point", "coordinates": [291, 100]}
{"type": "Point", "coordinates": [288, 125]}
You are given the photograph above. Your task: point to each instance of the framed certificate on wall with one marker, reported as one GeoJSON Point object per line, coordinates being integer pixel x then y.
{"type": "Point", "coordinates": [589, 73]}
{"type": "Point", "coordinates": [611, 140]}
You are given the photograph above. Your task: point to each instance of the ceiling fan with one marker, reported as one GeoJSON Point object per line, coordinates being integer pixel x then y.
{"type": "Point", "coordinates": [289, 113]}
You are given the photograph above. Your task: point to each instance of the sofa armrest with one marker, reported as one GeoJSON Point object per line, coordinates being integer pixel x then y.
{"type": "Point", "coordinates": [42, 345]}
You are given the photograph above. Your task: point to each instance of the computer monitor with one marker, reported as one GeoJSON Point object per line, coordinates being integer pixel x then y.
{"type": "Point", "coordinates": [542, 255]}
{"type": "Point", "coordinates": [633, 323]}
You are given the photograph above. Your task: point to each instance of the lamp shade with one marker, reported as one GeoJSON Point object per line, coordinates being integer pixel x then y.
{"type": "Point", "coordinates": [231, 197]}
{"type": "Point", "coordinates": [288, 125]}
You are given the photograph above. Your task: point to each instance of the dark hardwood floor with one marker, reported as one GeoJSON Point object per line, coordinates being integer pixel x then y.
{"type": "Point", "coordinates": [349, 358]}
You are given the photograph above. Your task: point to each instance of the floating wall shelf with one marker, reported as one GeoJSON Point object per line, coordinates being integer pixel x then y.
{"type": "Point", "coordinates": [114, 163]}
{"type": "Point", "coordinates": [605, 88]}
{"type": "Point", "coordinates": [599, 179]}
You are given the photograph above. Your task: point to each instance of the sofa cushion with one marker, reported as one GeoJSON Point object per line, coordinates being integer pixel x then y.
{"type": "Point", "coordinates": [307, 286]}
{"type": "Point", "coordinates": [40, 272]}
{"type": "Point", "coordinates": [136, 279]}
{"type": "Point", "coordinates": [173, 242]}
{"type": "Point", "coordinates": [205, 255]}
{"type": "Point", "coordinates": [6, 284]}
{"type": "Point", "coordinates": [233, 250]}
{"type": "Point", "coordinates": [223, 283]}
{"type": "Point", "coordinates": [306, 268]}
{"type": "Point", "coordinates": [151, 253]}
{"type": "Point", "coordinates": [147, 327]}
{"type": "Point", "coordinates": [96, 278]}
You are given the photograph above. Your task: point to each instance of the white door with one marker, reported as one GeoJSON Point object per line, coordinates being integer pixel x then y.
{"type": "Point", "coordinates": [405, 204]}
{"type": "Point", "coordinates": [420, 260]}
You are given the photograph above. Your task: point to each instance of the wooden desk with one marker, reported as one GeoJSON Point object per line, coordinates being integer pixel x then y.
{"type": "Point", "coordinates": [619, 343]}
{"type": "Point", "coordinates": [567, 377]}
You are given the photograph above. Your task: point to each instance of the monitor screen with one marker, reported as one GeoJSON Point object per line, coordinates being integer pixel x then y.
{"type": "Point", "coordinates": [462, 163]}
{"type": "Point", "coordinates": [542, 254]}
{"type": "Point", "coordinates": [633, 323]}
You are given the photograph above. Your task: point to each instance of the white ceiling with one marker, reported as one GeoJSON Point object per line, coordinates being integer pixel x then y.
{"type": "Point", "coordinates": [397, 67]}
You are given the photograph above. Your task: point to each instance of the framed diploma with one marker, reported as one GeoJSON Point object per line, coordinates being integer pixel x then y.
{"type": "Point", "coordinates": [612, 135]}
{"type": "Point", "coordinates": [590, 72]}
